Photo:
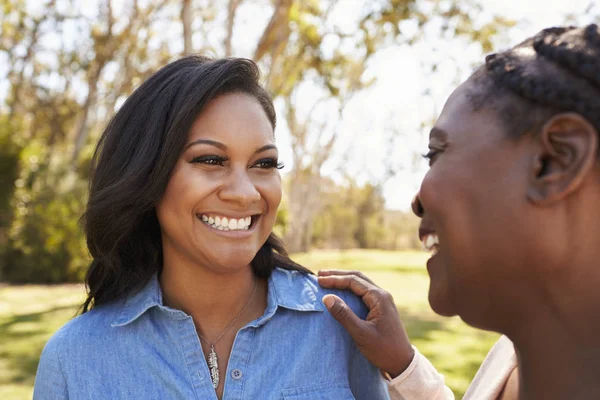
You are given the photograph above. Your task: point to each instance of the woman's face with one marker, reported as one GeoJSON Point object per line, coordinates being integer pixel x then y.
{"type": "Point", "coordinates": [221, 201]}
{"type": "Point", "coordinates": [474, 209]}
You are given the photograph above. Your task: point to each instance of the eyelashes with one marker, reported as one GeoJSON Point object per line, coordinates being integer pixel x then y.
{"type": "Point", "coordinates": [263, 163]}
{"type": "Point", "coordinates": [431, 155]}
{"type": "Point", "coordinates": [270, 163]}
{"type": "Point", "coordinates": [209, 160]}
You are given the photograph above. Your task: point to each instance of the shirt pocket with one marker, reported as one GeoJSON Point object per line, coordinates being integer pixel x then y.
{"type": "Point", "coordinates": [322, 391]}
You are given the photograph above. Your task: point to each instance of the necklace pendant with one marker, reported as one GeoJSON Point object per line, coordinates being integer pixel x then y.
{"type": "Point", "coordinates": [213, 365]}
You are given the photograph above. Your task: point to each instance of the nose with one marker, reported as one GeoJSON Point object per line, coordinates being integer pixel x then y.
{"type": "Point", "coordinates": [417, 207]}
{"type": "Point", "coordinates": [240, 189]}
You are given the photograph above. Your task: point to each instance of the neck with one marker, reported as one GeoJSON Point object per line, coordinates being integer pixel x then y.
{"type": "Point", "coordinates": [558, 359]}
{"type": "Point", "coordinates": [211, 298]}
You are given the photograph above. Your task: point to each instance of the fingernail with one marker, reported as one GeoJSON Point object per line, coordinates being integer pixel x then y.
{"type": "Point", "coordinates": [329, 301]}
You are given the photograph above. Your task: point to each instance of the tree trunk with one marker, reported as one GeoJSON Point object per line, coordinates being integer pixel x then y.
{"type": "Point", "coordinates": [303, 206]}
{"type": "Point", "coordinates": [231, 11]}
{"type": "Point", "coordinates": [81, 131]}
{"type": "Point", "coordinates": [186, 19]}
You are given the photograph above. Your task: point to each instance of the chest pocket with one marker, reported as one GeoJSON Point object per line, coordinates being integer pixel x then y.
{"type": "Point", "coordinates": [323, 391]}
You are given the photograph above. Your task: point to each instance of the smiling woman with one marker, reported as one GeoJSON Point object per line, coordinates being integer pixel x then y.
{"type": "Point", "coordinates": [191, 295]}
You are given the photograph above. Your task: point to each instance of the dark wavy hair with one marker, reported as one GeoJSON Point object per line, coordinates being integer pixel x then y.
{"type": "Point", "coordinates": [557, 70]}
{"type": "Point", "coordinates": [133, 162]}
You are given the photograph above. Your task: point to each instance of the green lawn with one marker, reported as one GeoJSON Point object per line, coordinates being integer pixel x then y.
{"type": "Point", "coordinates": [30, 314]}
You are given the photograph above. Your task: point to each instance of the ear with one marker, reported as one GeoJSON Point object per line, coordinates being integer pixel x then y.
{"type": "Point", "coordinates": [568, 145]}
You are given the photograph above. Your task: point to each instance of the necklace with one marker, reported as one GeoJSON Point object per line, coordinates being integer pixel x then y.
{"type": "Point", "coordinates": [212, 359]}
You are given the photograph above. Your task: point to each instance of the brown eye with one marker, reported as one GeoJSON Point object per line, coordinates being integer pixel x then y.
{"type": "Point", "coordinates": [209, 160]}
{"type": "Point", "coordinates": [269, 163]}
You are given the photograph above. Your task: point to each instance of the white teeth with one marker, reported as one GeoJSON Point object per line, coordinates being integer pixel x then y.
{"type": "Point", "coordinates": [431, 242]}
{"type": "Point", "coordinates": [226, 224]}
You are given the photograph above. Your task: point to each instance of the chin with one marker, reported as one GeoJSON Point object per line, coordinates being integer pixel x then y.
{"type": "Point", "coordinates": [232, 260]}
{"type": "Point", "coordinates": [440, 302]}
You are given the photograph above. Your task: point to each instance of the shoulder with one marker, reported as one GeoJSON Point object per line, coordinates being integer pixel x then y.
{"type": "Point", "coordinates": [76, 332]}
{"type": "Point", "coordinates": [306, 288]}
{"type": "Point", "coordinates": [494, 371]}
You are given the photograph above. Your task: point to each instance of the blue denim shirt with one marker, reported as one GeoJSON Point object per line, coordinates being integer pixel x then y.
{"type": "Point", "coordinates": [137, 348]}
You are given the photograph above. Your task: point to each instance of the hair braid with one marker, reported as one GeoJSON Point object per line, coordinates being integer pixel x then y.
{"type": "Point", "coordinates": [573, 86]}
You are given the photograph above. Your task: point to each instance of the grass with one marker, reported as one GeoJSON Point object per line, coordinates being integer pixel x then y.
{"type": "Point", "coordinates": [29, 314]}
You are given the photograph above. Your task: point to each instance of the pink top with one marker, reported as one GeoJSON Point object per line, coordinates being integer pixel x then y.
{"type": "Point", "coordinates": [421, 381]}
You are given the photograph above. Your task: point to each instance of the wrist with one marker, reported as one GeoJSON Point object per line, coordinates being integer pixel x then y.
{"type": "Point", "coordinates": [401, 365]}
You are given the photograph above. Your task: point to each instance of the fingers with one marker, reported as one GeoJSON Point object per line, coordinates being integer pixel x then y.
{"type": "Point", "coordinates": [355, 284]}
{"type": "Point", "coordinates": [370, 293]}
{"type": "Point", "coordinates": [356, 327]}
{"type": "Point", "coordinates": [339, 272]}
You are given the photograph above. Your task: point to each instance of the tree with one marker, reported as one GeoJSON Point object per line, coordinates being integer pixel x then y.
{"type": "Point", "coordinates": [62, 88]}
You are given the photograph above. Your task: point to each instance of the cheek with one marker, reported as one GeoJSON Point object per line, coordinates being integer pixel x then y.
{"type": "Point", "coordinates": [186, 187]}
{"type": "Point", "coordinates": [271, 191]}
{"type": "Point", "coordinates": [451, 210]}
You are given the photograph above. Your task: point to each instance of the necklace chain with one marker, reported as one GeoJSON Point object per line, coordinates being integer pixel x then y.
{"type": "Point", "coordinates": [213, 359]}
{"type": "Point", "coordinates": [212, 344]}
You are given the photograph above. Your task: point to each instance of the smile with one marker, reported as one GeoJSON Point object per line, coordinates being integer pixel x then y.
{"type": "Point", "coordinates": [431, 242]}
{"type": "Point", "coordinates": [223, 223]}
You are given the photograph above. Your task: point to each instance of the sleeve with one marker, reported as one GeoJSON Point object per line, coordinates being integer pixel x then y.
{"type": "Point", "coordinates": [420, 381]}
{"type": "Point", "coordinates": [50, 382]}
{"type": "Point", "coordinates": [366, 381]}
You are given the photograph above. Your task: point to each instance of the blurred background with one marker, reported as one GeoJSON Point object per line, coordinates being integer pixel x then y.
{"type": "Point", "coordinates": [357, 86]}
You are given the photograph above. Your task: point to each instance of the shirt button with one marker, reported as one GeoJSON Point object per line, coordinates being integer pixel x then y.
{"type": "Point", "coordinates": [236, 374]}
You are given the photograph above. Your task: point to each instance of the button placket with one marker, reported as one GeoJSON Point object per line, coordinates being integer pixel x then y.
{"type": "Point", "coordinates": [238, 362]}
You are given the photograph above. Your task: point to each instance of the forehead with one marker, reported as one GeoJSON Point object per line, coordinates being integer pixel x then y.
{"type": "Point", "coordinates": [462, 121]}
{"type": "Point", "coordinates": [234, 119]}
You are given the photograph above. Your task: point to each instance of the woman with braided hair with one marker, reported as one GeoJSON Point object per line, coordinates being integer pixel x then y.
{"type": "Point", "coordinates": [510, 210]}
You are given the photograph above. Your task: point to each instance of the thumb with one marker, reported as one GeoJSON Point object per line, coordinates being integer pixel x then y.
{"type": "Point", "coordinates": [345, 316]}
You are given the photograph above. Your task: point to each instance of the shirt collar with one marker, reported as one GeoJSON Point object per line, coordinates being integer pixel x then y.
{"type": "Point", "coordinates": [137, 303]}
{"type": "Point", "coordinates": [293, 290]}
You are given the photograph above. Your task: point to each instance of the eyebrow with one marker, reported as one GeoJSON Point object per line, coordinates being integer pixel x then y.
{"type": "Point", "coordinates": [438, 133]}
{"type": "Point", "coordinates": [221, 146]}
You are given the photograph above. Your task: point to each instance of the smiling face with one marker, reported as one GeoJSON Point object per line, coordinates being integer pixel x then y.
{"type": "Point", "coordinates": [221, 201]}
{"type": "Point", "coordinates": [475, 215]}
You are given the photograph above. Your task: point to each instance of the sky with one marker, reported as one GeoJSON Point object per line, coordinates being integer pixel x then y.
{"type": "Point", "coordinates": [401, 80]}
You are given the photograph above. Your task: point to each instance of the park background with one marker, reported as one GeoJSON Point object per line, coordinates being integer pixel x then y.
{"type": "Point", "coordinates": [357, 86]}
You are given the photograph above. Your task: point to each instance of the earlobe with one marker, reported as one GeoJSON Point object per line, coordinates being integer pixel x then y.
{"type": "Point", "coordinates": [568, 146]}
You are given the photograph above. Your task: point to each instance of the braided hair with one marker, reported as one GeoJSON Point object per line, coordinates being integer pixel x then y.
{"type": "Point", "coordinates": [557, 70]}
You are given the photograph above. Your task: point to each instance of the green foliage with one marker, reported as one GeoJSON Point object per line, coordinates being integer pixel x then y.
{"type": "Point", "coordinates": [354, 216]}
{"type": "Point", "coordinates": [45, 241]}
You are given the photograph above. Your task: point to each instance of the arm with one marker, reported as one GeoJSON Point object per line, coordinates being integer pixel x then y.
{"type": "Point", "coordinates": [382, 339]}
{"type": "Point", "coordinates": [49, 381]}
{"type": "Point", "coordinates": [419, 381]}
